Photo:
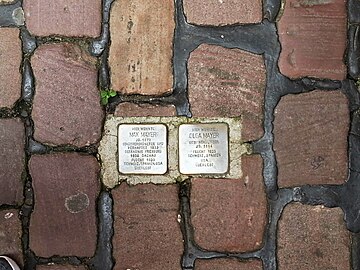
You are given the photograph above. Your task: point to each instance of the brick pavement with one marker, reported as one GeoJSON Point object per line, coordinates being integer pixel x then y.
{"type": "Point", "coordinates": [291, 72]}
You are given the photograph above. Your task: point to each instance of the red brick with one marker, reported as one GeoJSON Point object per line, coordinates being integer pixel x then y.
{"type": "Point", "coordinates": [66, 107]}
{"type": "Point", "coordinates": [63, 17]}
{"type": "Point", "coordinates": [223, 12]}
{"type": "Point", "coordinates": [10, 235]}
{"type": "Point", "coordinates": [10, 61]}
{"type": "Point", "coordinates": [310, 138]}
{"type": "Point", "coordinates": [128, 109]}
{"type": "Point", "coordinates": [230, 215]}
{"type": "Point", "coordinates": [64, 219]}
{"type": "Point", "coordinates": [147, 235]}
{"type": "Point", "coordinates": [141, 46]}
{"type": "Point", "coordinates": [12, 159]}
{"type": "Point", "coordinates": [227, 264]}
{"type": "Point", "coordinates": [313, 39]}
{"type": "Point", "coordinates": [313, 238]}
{"type": "Point", "coordinates": [232, 81]}
{"type": "Point", "coordinates": [60, 267]}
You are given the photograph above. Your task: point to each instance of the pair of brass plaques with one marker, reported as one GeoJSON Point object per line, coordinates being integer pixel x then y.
{"type": "Point", "coordinates": [202, 148]}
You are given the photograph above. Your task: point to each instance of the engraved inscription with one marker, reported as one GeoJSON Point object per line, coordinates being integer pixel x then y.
{"type": "Point", "coordinates": [142, 149]}
{"type": "Point", "coordinates": [203, 148]}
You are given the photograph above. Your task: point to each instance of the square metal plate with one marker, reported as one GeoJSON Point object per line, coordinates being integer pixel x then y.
{"type": "Point", "coordinates": [204, 148]}
{"type": "Point", "coordinates": [142, 148]}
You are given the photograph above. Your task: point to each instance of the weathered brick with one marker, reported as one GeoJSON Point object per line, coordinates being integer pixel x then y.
{"type": "Point", "coordinates": [10, 61]}
{"type": "Point", "coordinates": [66, 107]}
{"type": "Point", "coordinates": [311, 237]}
{"type": "Point", "coordinates": [141, 46]}
{"type": "Point", "coordinates": [310, 138]}
{"type": "Point", "coordinates": [227, 264]}
{"type": "Point", "coordinates": [128, 109]}
{"type": "Point", "coordinates": [10, 235]}
{"type": "Point", "coordinates": [63, 17]}
{"type": "Point", "coordinates": [64, 219]}
{"type": "Point", "coordinates": [60, 267]}
{"type": "Point", "coordinates": [313, 39]}
{"type": "Point", "coordinates": [223, 12]}
{"type": "Point", "coordinates": [232, 81]}
{"type": "Point", "coordinates": [147, 235]}
{"type": "Point", "coordinates": [12, 159]}
{"type": "Point", "coordinates": [230, 215]}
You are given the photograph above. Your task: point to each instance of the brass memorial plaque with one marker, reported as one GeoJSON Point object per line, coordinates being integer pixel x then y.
{"type": "Point", "coordinates": [204, 148]}
{"type": "Point", "coordinates": [142, 148]}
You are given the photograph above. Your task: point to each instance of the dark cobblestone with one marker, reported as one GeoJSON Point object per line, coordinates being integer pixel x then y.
{"type": "Point", "coordinates": [65, 189]}
{"type": "Point", "coordinates": [12, 165]}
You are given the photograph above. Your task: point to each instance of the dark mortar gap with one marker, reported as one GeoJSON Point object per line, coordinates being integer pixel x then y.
{"type": "Point", "coordinates": [25, 214]}
{"type": "Point", "coordinates": [353, 11]}
{"type": "Point", "coordinates": [29, 43]}
{"type": "Point", "coordinates": [81, 41]}
{"type": "Point", "coordinates": [275, 208]}
{"type": "Point", "coordinates": [271, 9]}
{"type": "Point", "coordinates": [351, 91]}
{"type": "Point", "coordinates": [353, 50]}
{"type": "Point", "coordinates": [98, 46]}
{"type": "Point", "coordinates": [355, 251]}
{"type": "Point", "coordinates": [102, 259]}
{"type": "Point", "coordinates": [72, 260]}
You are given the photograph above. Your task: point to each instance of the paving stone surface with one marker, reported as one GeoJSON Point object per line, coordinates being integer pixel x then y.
{"type": "Point", "coordinates": [223, 12]}
{"type": "Point", "coordinates": [64, 219]}
{"type": "Point", "coordinates": [128, 109]}
{"type": "Point", "coordinates": [63, 17]}
{"type": "Point", "coordinates": [10, 61]}
{"type": "Point", "coordinates": [10, 235]}
{"type": "Point", "coordinates": [311, 236]}
{"type": "Point", "coordinates": [230, 215]}
{"type": "Point", "coordinates": [12, 156]}
{"type": "Point", "coordinates": [313, 39]}
{"type": "Point", "coordinates": [141, 46]}
{"type": "Point", "coordinates": [232, 81]}
{"type": "Point", "coordinates": [60, 267]}
{"type": "Point", "coordinates": [227, 264]}
{"type": "Point", "coordinates": [310, 138]}
{"type": "Point", "coordinates": [67, 107]}
{"type": "Point", "coordinates": [147, 235]}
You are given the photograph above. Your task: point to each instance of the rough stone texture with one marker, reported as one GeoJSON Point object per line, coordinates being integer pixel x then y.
{"type": "Point", "coordinates": [60, 267]}
{"type": "Point", "coordinates": [227, 264]}
{"type": "Point", "coordinates": [6, 1]}
{"type": "Point", "coordinates": [230, 215]}
{"type": "Point", "coordinates": [108, 152]}
{"type": "Point", "coordinates": [10, 235]}
{"type": "Point", "coordinates": [313, 39]}
{"type": "Point", "coordinates": [232, 81]}
{"type": "Point", "coordinates": [223, 12]}
{"type": "Point", "coordinates": [128, 109]}
{"type": "Point", "coordinates": [66, 106]}
{"type": "Point", "coordinates": [141, 46]}
{"type": "Point", "coordinates": [63, 17]}
{"type": "Point", "coordinates": [311, 236]}
{"type": "Point", "coordinates": [147, 235]}
{"type": "Point", "coordinates": [310, 138]}
{"type": "Point", "coordinates": [12, 159]}
{"type": "Point", "coordinates": [64, 218]}
{"type": "Point", "coordinates": [10, 61]}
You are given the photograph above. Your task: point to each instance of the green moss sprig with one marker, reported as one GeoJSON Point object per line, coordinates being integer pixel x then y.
{"type": "Point", "coordinates": [106, 94]}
